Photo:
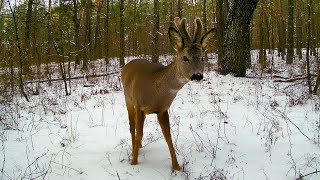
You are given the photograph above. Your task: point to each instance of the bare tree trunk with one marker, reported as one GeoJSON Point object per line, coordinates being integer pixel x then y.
{"type": "Point", "coordinates": [122, 45]}
{"type": "Point", "coordinates": [204, 16]}
{"type": "Point", "coordinates": [172, 12]}
{"type": "Point", "coordinates": [290, 51]}
{"type": "Point", "coordinates": [20, 51]}
{"type": "Point", "coordinates": [97, 44]}
{"type": "Point", "coordinates": [180, 7]}
{"type": "Point", "coordinates": [135, 28]}
{"type": "Point", "coordinates": [262, 53]}
{"type": "Point", "coordinates": [236, 45]}
{"type": "Point", "coordinates": [88, 44]}
{"type": "Point", "coordinates": [106, 35]}
{"type": "Point", "coordinates": [298, 29]}
{"type": "Point", "coordinates": [27, 44]}
{"type": "Point", "coordinates": [220, 31]}
{"type": "Point", "coordinates": [76, 25]}
{"type": "Point", "coordinates": [308, 47]}
{"type": "Point", "coordinates": [281, 29]}
{"type": "Point", "coordinates": [156, 27]}
{"type": "Point", "coordinates": [49, 42]}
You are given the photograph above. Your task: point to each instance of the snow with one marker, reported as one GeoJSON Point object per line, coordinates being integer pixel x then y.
{"type": "Point", "coordinates": [222, 128]}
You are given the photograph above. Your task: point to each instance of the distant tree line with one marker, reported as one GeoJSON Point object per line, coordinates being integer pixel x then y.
{"type": "Point", "coordinates": [38, 32]}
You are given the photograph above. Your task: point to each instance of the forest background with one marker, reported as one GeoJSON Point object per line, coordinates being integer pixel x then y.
{"type": "Point", "coordinates": [73, 33]}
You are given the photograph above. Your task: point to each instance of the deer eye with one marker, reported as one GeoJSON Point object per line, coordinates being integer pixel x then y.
{"type": "Point", "coordinates": [202, 58]}
{"type": "Point", "coordinates": [185, 59]}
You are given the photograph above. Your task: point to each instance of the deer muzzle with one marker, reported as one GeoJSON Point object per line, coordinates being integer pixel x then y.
{"type": "Point", "coordinates": [197, 77]}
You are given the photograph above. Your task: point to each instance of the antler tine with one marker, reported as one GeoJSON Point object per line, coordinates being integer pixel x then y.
{"type": "Point", "coordinates": [197, 30]}
{"type": "Point", "coordinates": [177, 22]}
{"type": "Point", "coordinates": [181, 27]}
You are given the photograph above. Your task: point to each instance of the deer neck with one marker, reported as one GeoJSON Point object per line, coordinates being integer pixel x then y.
{"type": "Point", "coordinates": [171, 78]}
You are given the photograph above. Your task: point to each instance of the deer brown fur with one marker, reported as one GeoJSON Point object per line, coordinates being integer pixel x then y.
{"type": "Point", "coordinates": [151, 87]}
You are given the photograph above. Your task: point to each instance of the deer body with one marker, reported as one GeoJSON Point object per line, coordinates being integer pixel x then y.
{"type": "Point", "coordinates": [159, 85]}
{"type": "Point", "coordinates": [151, 87]}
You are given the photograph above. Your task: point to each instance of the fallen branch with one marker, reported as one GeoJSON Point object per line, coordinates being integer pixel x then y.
{"type": "Point", "coordinates": [296, 78]}
{"type": "Point", "coordinates": [71, 78]}
{"type": "Point", "coordinates": [291, 79]}
{"type": "Point", "coordinates": [302, 176]}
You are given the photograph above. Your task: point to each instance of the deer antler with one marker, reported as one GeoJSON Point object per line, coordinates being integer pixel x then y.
{"type": "Point", "coordinates": [180, 25]}
{"type": "Point", "coordinates": [197, 30]}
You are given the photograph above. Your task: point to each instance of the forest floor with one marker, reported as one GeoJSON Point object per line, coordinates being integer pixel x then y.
{"type": "Point", "coordinates": [224, 127]}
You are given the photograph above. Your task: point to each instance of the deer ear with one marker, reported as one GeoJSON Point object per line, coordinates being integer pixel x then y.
{"type": "Point", "coordinates": [175, 39]}
{"type": "Point", "coordinates": [208, 39]}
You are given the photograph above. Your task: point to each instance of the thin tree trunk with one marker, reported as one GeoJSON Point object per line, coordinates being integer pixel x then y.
{"type": "Point", "coordinates": [281, 29]}
{"type": "Point", "coordinates": [172, 13]}
{"type": "Point", "coordinates": [27, 44]}
{"type": "Point", "coordinates": [76, 25]}
{"type": "Point", "coordinates": [97, 44]}
{"type": "Point", "coordinates": [156, 27]}
{"type": "Point", "coordinates": [262, 53]}
{"type": "Point", "coordinates": [298, 29]}
{"type": "Point", "coordinates": [308, 47]}
{"type": "Point", "coordinates": [59, 47]}
{"type": "Point", "coordinates": [204, 16]}
{"type": "Point", "coordinates": [88, 44]}
{"type": "Point", "coordinates": [220, 31]}
{"type": "Point", "coordinates": [20, 51]}
{"type": "Point", "coordinates": [106, 35]}
{"type": "Point", "coordinates": [122, 45]}
{"type": "Point", "coordinates": [48, 57]}
{"type": "Point", "coordinates": [180, 7]}
{"type": "Point", "coordinates": [290, 43]}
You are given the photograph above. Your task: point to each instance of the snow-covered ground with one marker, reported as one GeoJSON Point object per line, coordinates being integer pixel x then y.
{"type": "Point", "coordinates": [222, 128]}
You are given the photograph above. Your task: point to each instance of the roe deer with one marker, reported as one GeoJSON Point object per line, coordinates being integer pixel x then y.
{"type": "Point", "coordinates": [151, 87]}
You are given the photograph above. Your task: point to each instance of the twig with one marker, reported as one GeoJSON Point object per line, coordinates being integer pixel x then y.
{"type": "Point", "coordinates": [286, 118]}
{"type": "Point", "coordinates": [302, 176]}
{"type": "Point", "coordinates": [76, 77]}
{"type": "Point", "coordinates": [78, 171]}
{"type": "Point", "coordinates": [291, 80]}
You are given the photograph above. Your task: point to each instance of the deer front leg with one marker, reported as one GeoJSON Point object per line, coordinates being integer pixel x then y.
{"type": "Point", "coordinates": [163, 119]}
{"type": "Point", "coordinates": [139, 121]}
{"type": "Point", "coordinates": [132, 125]}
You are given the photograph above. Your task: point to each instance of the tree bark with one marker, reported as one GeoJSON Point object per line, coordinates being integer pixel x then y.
{"type": "Point", "coordinates": [298, 29]}
{"type": "Point", "coordinates": [204, 16]}
{"type": "Point", "coordinates": [262, 53]}
{"type": "Point", "coordinates": [106, 35]}
{"type": "Point", "coordinates": [21, 57]}
{"type": "Point", "coordinates": [76, 25]}
{"type": "Point", "coordinates": [88, 44]}
{"type": "Point", "coordinates": [172, 13]}
{"type": "Point", "coordinates": [180, 7]}
{"type": "Point", "coordinates": [281, 29]}
{"type": "Point", "coordinates": [156, 28]}
{"type": "Point", "coordinates": [236, 45]}
{"type": "Point", "coordinates": [27, 36]}
{"type": "Point", "coordinates": [122, 45]}
{"type": "Point", "coordinates": [97, 42]}
{"type": "Point", "coordinates": [290, 51]}
{"type": "Point", "coordinates": [308, 46]}
{"type": "Point", "coordinates": [220, 31]}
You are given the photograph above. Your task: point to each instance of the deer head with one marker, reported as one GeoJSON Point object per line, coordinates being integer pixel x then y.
{"type": "Point", "coordinates": [190, 51]}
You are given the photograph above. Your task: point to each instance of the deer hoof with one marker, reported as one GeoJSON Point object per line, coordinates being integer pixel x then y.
{"type": "Point", "coordinates": [176, 167]}
{"type": "Point", "coordinates": [134, 162]}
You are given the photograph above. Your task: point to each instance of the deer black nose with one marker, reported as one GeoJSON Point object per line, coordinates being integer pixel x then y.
{"type": "Point", "coordinates": [197, 77]}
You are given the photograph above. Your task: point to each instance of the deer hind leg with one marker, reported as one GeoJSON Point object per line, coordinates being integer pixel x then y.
{"type": "Point", "coordinates": [139, 122]}
{"type": "Point", "coordinates": [163, 119]}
